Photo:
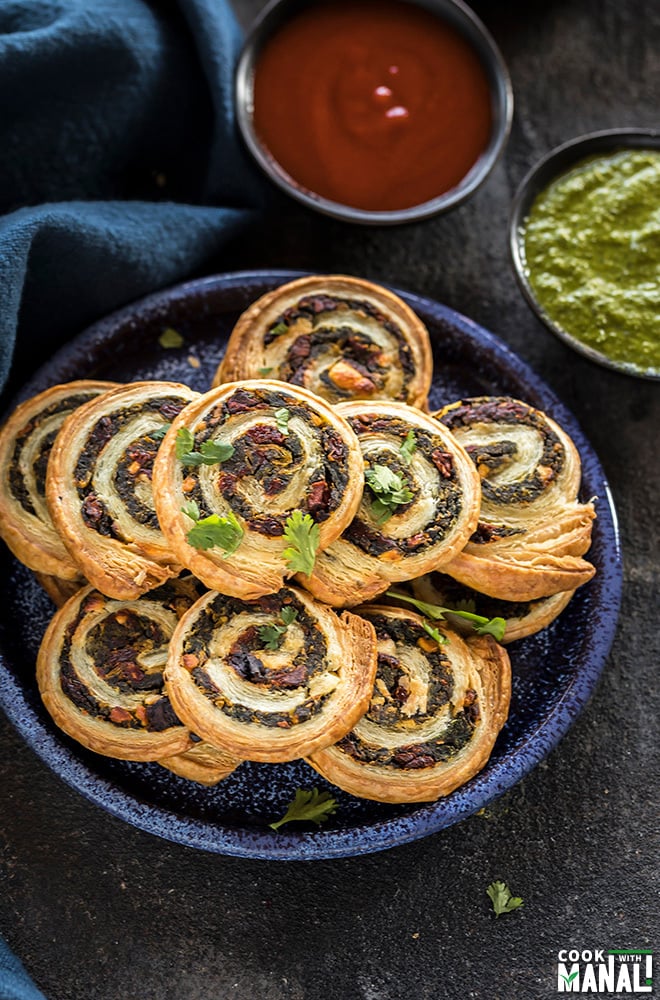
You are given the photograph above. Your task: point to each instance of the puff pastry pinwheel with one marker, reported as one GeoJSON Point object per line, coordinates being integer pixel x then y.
{"type": "Point", "coordinates": [532, 530]}
{"type": "Point", "coordinates": [522, 617]}
{"type": "Point", "coordinates": [272, 679]}
{"type": "Point", "coordinates": [99, 486]}
{"type": "Point", "coordinates": [100, 671]}
{"type": "Point", "coordinates": [25, 445]}
{"type": "Point", "coordinates": [434, 714]}
{"type": "Point", "coordinates": [341, 337]}
{"type": "Point", "coordinates": [203, 763]}
{"type": "Point", "coordinates": [252, 480]}
{"type": "Point", "coordinates": [419, 506]}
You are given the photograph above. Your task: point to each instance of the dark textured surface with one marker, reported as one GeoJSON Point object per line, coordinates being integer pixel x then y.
{"type": "Point", "coordinates": [97, 909]}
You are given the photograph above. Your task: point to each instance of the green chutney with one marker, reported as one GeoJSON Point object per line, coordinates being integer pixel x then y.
{"type": "Point", "coordinates": [591, 254]}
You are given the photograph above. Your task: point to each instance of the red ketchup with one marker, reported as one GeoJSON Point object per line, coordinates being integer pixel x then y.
{"type": "Point", "coordinates": [378, 104]}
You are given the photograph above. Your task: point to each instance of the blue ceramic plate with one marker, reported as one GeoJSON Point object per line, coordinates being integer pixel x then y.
{"type": "Point", "coordinates": [554, 672]}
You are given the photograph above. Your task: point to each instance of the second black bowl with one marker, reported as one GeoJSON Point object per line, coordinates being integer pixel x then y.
{"type": "Point", "coordinates": [552, 166]}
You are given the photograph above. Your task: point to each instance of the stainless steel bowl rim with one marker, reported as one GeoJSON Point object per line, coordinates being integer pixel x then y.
{"type": "Point", "coordinates": [463, 18]}
{"type": "Point", "coordinates": [551, 166]}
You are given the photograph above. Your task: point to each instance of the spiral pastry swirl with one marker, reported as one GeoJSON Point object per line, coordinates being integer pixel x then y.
{"type": "Point", "coordinates": [433, 718]}
{"type": "Point", "coordinates": [438, 490]}
{"type": "Point", "coordinates": [99, 486]}
{"type": "Point", "coordinates": [26, 441]}
{"type": "Point", "coordinates": [532, 530]}
{"type": "Point", "coordinates": [522, 617]}
{"type": "Point", "coordinates": [271, 679]}
{"type": "Point", "coordinates": [340, 337]}
{"type": "Point", "coordinates": [285, 451]}
{"type": "Point", "coordinates": [100, 671]}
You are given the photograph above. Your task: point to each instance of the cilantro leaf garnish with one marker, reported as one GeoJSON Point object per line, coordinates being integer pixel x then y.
{"type": "Point", "coordinates": [288, 614]}
{"type": "Point", "coordinates": [303, 535]}
{"type": "Point", "coordinates": [212, 452]}
{"type": "Point", "coordinates": [389, 489]}
{"type": "Point", "coordinates": [191, 510]}
{"type": "Point", "coordinates": [310, 805]}
{"type": "Point", "coordinates": [214, 531]}
{"type": "Point", "coordinates": [492, 626]}
{"type": "Point", "coordinates": [265, 371]}
{"type": "Point", "coordinates": [501, 898]}
{"type": "Point", "coordinates": [435, 634]}
{"type": "Point", "coordinates": [160, 432]}
{"type": "Point", "coordinates": [209, 453]}
{"type": "Point", "coordinates": [278, 329]}
{"type": "Point", "coordinates": [185, 442]}
{"type": "Point", "coordinates": [273, 635]}
{"type": "Point", "coordinates": [465, 604]}
{"type": "Point", "coordinates": [282, 420]}
{"type": "Point", "coordinates": [408, 447]}
{"type": "Point", "coordinates": [171, 338]}
{"type": "Point", "coordinates": [481, 625]}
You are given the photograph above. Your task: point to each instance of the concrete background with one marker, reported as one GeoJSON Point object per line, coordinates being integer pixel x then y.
{"type": "Point", "coordinates": [97, 909]}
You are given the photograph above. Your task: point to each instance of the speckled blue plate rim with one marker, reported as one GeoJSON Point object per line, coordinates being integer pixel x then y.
{"type": "Point", "coordinates": [497, 778]}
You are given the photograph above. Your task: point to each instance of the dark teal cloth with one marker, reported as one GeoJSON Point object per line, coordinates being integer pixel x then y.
{"type": "Point", "coordinates": [120, 168]}
{"type": "Point", "coordinates": [15, 984]}
{"type": "Point", "coordinates": [120, 173]}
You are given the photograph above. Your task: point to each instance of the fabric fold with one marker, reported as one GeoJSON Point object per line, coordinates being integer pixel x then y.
{"type": "Point", "coordinates": [15, 984]}
{"type": "Point", "coordinates": [122, 168]}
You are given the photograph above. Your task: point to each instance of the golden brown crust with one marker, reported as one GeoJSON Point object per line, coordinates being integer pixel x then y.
{"type": "Point", "coordinates": [100, 672]}
{"type": "Point", "coordinates": [380, 548]}
{"type": "Point", "coordinates": [99, 487]}
{"type": "Point", "coordinates": [533, 531]}
{"type": "Point", "coordinates": [540, 567]}
{"type": "Point", "coordinates": [203, 763]}
{"type": "Point", "coordinates": [381, 350]}
{"type": "Point", "coordinates": [434, 715]}
{"type": "Point", "coordinates": [315, 467]}
{"type": "Point", "coordinates": [25, 444]}
{"type": "Point", "coordinates": [522, 617]}
{"type": "Point", "coordinates": [272, 703]}
{"type": "Point", "coordinates": [58, 590]}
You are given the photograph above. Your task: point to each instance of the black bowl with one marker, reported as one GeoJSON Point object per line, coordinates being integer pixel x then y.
{"type": "Point", "coordinates": [555, 163]}
{"type": "Point", "coordinates": [554, 671]}
{"type": "Point", "coordinates": [455, 13]}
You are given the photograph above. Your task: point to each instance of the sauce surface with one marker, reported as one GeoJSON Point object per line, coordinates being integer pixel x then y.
{"type": "Point", "coordinates": [376, 105]}
{"type": "Point", "coordinates": [591, 248]}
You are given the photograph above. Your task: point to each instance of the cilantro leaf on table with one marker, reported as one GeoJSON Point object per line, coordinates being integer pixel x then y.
{"type": "Point", "coordinates": [389, 489]}
{"type": "Point", "coordinates": [209, 453]}
{"type": "Point", "coordinates": [481, 625]}
{"type": "Point", "coordinates": [303, 535]}
{"type": "Point", "coordinates": [310, 805]}
{"type": "Point", "coordinates": [501, 898]}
